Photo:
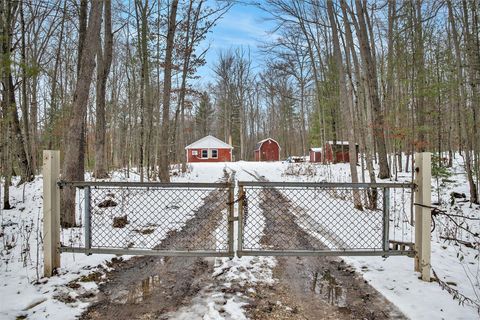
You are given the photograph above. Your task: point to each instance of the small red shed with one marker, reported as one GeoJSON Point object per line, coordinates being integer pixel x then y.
{"type": "Point", "coordinates": [315, 154]}
{"type": "Point", "coordinates": [334, 152]}
{"type": "Point", "coordinates": [209, 149]}
{"type": "Point", "coordinates": [267, 150]}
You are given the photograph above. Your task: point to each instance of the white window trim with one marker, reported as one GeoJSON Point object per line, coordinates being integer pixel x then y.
{"type": "Point", "coordinates": [201, 154]}
{"type": "Point", "coordinates": [211, 153]}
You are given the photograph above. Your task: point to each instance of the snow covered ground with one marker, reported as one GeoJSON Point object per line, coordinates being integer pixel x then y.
{"type": "Point", "coordinates": [26, 294]}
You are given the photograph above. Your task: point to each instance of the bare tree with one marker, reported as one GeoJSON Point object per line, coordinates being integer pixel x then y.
{"type": "Point", "coordinates": [372, 86]}
{"type": "Point", "coordinates": [7, 23]}
{"type": "Point", "coordinates": [104, 61]}
{"type": "Point", "coordinates": [164, 164]}
{"type": "Point", "coordinates": [345, 103]}
{"type": "Point", "coordinates": [73, 169]}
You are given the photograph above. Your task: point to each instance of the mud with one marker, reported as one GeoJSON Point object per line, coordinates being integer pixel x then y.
{"type": "Point", "coordinates": [320, 288]}
{"type": "Point", "coordinates": [149, 287]}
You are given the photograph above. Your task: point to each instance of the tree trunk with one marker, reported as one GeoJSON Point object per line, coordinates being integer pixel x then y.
{"type": "Point", "coordinates": [471, 122]}
{"type": "Point", "coordinates": [104, 61]}
{"type": "Point", "coordinates": [142, 30]}
{"type": "Point", "coordinates": [17, 141]}
{"type": "Point", "coordinates": [53, 93]}
{"type": "Point", "coordinates": [6, 162]}
{"type": "Point", "coordinates": [462, 103]}
{"type": "Point", "coordinates": [164, 163]}
{"type": "Point", "coordinates": [24, 91]}
{"type": "Point", "coordinates": [34, 123]}
{"type": "Point", "coordinates": [345, 103]}
{"type": "Point", "coordinates": [74, 170]}
{"type": "Point", "coordinates": [10, 114]}
{"type": "Point", "coordinates": [186, 66]}
{"type": "Point", "coordinates": [421, 111]}
{"type": "Point", "coordinates": [364, 112]}
{"type": "Point", "coordinates": [372, 87]}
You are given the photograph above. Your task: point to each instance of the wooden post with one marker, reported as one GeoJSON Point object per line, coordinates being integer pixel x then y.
{"type": "Point", "coordinates": [51, 212]}
{"type": "Point", "coordinates": [423, 216]}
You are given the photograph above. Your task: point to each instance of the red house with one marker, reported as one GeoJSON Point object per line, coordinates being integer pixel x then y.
{"type": "Point", "coordinates": [267, 150]}
{"type": "Point", "coordinates": [209, 149]}
{"type": "Point", "coordinates": [334, 152]}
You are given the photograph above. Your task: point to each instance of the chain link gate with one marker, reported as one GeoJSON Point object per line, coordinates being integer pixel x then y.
{"type": "Point", "coordinates": [197, 219]}
{"type": "Point", "coordinates": [149, 218]}
{"type": "Point", "coordinates": [274, 218]}
{"type": "Point", "coordinates": [294, 218]}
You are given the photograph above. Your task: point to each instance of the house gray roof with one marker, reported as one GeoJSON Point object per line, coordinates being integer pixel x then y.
{"type": "Point", "coordinates": [209, 142]}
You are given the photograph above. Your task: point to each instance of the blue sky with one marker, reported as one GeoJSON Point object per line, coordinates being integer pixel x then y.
{"type": "Point", "coordinates": [242, 26]}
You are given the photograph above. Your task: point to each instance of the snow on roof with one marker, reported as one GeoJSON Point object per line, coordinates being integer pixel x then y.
{"type": "Point", "coordinates": [345, 143]}
{"type": "Point", "coordinates": [316, 149]}
{"type": "Point", "coordinates": [262, 141]}
{"type": "Point", "coordinates": [259, 143]}
{"type": "Point", "coordinates": [209, 142]}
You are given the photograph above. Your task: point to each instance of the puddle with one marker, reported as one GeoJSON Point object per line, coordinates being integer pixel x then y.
{"type": "Point", "coordinates": [138, 293]}
{"type": "Point", "coordinates": [328, 289]}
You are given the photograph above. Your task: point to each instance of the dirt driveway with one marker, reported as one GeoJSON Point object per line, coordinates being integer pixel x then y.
{"type": "Point", "coordinates": [311, 287]}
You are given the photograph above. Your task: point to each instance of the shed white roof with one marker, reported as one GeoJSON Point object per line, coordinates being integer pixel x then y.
{"type": "Point", "coordinates": [262, 141]}
{"type": "Point", "coordinates": [338, 142]}
{"type": "Point", "coordinates": [316, 149]}
{"type": "Point", "coordinates": [259, 143]}
{"type": "Point", "coordinates": [209, 142]}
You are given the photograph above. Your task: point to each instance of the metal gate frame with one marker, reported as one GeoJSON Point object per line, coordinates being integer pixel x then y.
{"type": "Point", "coordinates": [232, 219]}
{"type": "Point", "coordinates": [385, 251]}
{"type": "Point", "coordinates": [87, 249]}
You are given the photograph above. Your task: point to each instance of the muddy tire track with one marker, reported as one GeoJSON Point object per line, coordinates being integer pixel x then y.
{"type": "Point", "coordinates": [149, 287]}
{"type": "Point", "coordinates": [311, 287]}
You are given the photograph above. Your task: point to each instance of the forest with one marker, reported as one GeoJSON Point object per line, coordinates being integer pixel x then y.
{"type": "Point", "coordinates": [114, 84]}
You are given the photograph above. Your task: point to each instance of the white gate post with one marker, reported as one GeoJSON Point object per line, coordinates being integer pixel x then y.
{"type": "Point", "coordinates": [423, 216]}
{"type": "Point", "coordinates": [51, 212]}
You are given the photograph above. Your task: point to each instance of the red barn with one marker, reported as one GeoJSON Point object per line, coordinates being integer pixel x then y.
{"type": "Point", "coordinates": [334, 152]}
{"type": "Point", "coordinates": [209, 149]}
{"type": "Point", "coordinates": [267, 150]}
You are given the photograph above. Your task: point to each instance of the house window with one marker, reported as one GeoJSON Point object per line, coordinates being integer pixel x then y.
{"type": "Point", "coordinates": [214, 153]}
{"type": "Point", "coordinates": [204, 154]}
{"type": "Point", "coordinates": [194, 153]}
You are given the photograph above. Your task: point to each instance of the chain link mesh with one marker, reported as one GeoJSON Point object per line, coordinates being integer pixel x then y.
{"type": "Point", "coordinates": [313, 218]}
{"type": "Point", "coordinates": [191, 218]}
{"type": "Point", "coordinates": [159, 218]}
